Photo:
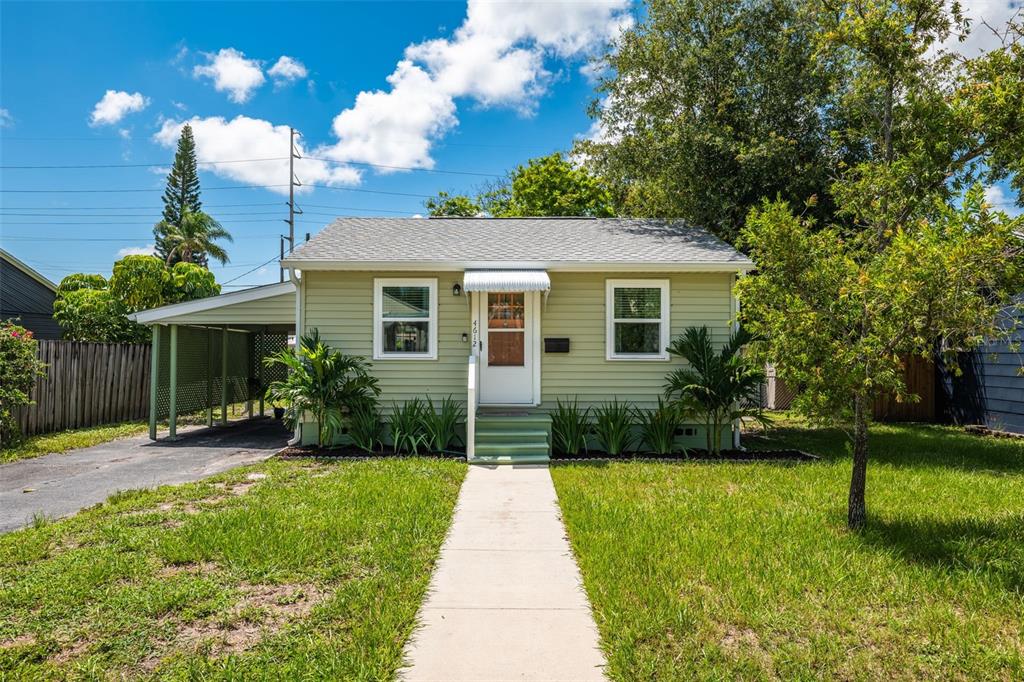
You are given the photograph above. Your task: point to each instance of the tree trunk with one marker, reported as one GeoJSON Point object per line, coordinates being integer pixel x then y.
{"type": "Point", "coordinates": [857, 509]}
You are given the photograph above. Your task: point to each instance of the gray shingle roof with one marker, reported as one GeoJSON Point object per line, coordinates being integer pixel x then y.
{"type": "Point", "coordinates": [546, 242]}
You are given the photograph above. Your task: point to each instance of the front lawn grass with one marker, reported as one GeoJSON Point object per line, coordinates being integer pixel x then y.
{"type": "Point", "coordinates": [747, 571]}
{"type": "Point", "coordinates": [283, 570]}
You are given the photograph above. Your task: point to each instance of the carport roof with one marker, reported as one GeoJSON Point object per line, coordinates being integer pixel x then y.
{"type": "Point", "coordinates": [264, 306]}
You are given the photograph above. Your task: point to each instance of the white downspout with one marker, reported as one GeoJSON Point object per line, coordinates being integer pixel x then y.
{"type": "Point", "coordinates": [297, 282]}
{"type": "Point", "coordinates": [737, 425]}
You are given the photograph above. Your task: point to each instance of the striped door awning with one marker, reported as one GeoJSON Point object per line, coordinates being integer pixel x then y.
{"type": "Point", "coordinates": [506, 280]}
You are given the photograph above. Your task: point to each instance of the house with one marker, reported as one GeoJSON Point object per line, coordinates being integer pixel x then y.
{"type": "Point", "coordinates": [989, 389]}
{"type": "Point", "coordinates": [507, 316]}
{"type": "Point", "coordinates": [27, 297]}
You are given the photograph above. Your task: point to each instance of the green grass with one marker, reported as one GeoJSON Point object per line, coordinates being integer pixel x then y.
{"type": "Point", "coordinates": [284, 570]}
{"type": "Point", "coordinates": [747, 571]}
{"type": "Point", "coordinates": [62, 441]}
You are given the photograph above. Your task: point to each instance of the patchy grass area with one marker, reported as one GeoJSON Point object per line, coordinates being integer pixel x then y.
{"type": "Point", "coordinates": [284, 570]}
{"type": "Point", "coordinates": [62, 441]}
{"type": "Point", "coordinates": [747, 571]}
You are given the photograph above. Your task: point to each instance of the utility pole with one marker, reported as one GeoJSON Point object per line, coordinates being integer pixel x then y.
{"type": "Point", "coordinates": [293, 182]}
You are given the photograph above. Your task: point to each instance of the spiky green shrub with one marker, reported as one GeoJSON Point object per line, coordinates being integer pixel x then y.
{"type": "Point", "coordinates": [365, 427]}
{"type": "Point", "coordinates": [407, 424]}
{"type": "Point", "coordinates": [569, 427]}
{"type": "Point", "coordinates": [442, 422]}
{"type": "Point", "coordinates": [658, 427]}
{"type": "Point", "coordinates": [613, 427]}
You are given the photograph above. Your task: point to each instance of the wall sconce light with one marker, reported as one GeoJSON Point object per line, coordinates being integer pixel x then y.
{"type": "Point", "coordinates": [465, 337]}
{"type": "Point", "coordinates": [457, 289]}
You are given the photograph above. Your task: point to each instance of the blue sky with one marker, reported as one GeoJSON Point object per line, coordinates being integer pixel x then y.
{"type": "Point", "coordinates": [458, 91]}
{"type": "Point", "coordinates": [480, 91]}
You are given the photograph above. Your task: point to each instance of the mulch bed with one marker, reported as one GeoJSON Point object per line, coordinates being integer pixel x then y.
{"type": "Point", "coordinates": [352, 452]}
{"type": "Point", "coordinates": [695, 456]}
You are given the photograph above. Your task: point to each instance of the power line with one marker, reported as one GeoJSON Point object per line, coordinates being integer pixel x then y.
{"type": "Point", "coordinates": [102, 223]}
{"type": "Point", "coordinates": [19, 238]}
{"type": "Point", "coordinates": [113, 215]}
{"type": "Point", "coordinates": [235, 279]}
{"type": "Point", "coordinates": [135, 165]}
{"type": "Point", "coordinates": [126, 208]}
{"type": "Point", "coordinates": [209, 189]}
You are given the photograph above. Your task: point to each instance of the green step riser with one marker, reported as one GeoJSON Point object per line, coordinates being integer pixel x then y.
{"type": "Point", "coordinates": [501, 437]}
{"type": "Point", "coordinates": [511, 452]}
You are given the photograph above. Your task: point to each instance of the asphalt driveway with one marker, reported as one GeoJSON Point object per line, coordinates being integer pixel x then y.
{"type": "Point", "coordinates": [62, 484]}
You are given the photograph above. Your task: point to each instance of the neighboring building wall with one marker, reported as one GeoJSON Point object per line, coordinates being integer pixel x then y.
{"type": "Point", "coordinates": [23, 297]}
{"type": "Point", "coordinates": [990, 390]}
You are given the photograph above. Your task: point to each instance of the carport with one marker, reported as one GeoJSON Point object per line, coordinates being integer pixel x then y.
{"type": "Point", "coordinates": [209, 353]}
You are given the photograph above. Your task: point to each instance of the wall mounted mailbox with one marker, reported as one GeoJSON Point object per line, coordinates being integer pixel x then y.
{"type": "Point", "coordinates": [556, 345]}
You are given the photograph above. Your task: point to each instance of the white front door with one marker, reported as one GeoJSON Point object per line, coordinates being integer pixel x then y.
{"type": "Point", "coordinates": [508, 347]}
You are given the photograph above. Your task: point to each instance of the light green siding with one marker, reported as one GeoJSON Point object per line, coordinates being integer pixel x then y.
{"type": "Point", "coordinates": [275, 310]}
{"type": "Point", "coordinates": [340, 305]}
{"type": "Point", "coordinates": [576, 309]}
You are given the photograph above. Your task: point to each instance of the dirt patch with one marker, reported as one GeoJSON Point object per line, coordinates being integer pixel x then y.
{"type": "Point", "coordinates": [744, 642]}
{"type": "Point", "coordinates": [262, 609]}
{"type": "Point", "coordinates": [17, 642]}
{"type": "Point", "coordinates": [70, 651]}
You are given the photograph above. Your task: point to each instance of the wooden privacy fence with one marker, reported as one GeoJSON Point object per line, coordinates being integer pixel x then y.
{"type": "Point", "coordinates": [88, 384]}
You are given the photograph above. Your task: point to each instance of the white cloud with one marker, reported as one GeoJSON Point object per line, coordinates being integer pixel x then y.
{"type": "Point", "coordinates": [6, 120]}
{"type": "Point", "coordinates": [287, 70]}
{"type": "Point", "coordinates": [495, 58]}
{"type": "Point", "coordinates": [233, 73]}
{"type": "Point", "coordinates": [219, 139]}
{"type": "Point", "coordinates": [1001, 201]}
{"type": "Point", "coordinates": [115, 105]}
{"type": "Point", "coordinates": [147, 250]}
{"type": "Point", "coordinates": [995, 13]}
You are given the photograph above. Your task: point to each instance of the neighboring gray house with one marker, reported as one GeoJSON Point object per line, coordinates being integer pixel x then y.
{"type": "Point", "coordinates": [27, 296]}
{"type": "Point", "coordinates": [990, 391]}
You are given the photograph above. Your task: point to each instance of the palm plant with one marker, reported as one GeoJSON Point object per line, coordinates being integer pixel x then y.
{"type": "Point", "coordinates": [719, 386]}
{"type": "Point", "coordinates": [193, 239]}
{"type": "Point", "coordinates": [324, 382]}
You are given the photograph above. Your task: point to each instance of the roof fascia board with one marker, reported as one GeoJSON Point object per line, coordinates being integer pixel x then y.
{"type": "Point", "coordinates": [552, 266]}
{"type": "Point", "coordinates": [174, 310]}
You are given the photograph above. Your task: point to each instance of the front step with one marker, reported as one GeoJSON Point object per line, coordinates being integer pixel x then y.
{"type": "Point", "coordinates": [512, 438]}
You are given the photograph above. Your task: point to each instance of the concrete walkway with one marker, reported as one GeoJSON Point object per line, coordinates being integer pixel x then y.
{"type": "Point", "coordinates": [61, 484]}
{"type": "Point", "coordinates": [506, 601]}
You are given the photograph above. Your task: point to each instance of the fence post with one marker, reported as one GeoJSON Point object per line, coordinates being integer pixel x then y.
{"type": "Point", "coordinates": [224, 375]}
{"type": "Point", "coordinates": [154, 380]}
{"type": "Point", "coordinates": [173, 398]}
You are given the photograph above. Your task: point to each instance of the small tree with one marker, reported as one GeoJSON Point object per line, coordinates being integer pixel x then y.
{"type": "Point", "coordinates": [19, 367]}
{"type": "Point", "coordinates": [837, 318]}
{"type": "Point", "coordinates": [720, 386]}
{"type": "Point", "coordinates": [96, 315]}
{"type": "Point", "coordinates": [326, 383]}
{"type": "Point", "coordinates": [139, 282]}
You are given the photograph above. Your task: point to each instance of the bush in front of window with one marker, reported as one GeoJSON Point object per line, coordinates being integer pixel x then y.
{"type": "Point", "coordinates": [720, 386]}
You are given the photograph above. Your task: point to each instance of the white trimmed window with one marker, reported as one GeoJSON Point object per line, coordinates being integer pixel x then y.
{"type": "Point", "coordinates": [637, 313]}
{"type": "Point", "coordinates": [404, 319]}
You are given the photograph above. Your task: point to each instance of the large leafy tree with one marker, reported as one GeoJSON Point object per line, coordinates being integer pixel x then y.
{"type": "Point", "coordinates": [452, 205]}
{"type": "Point", "coordinates": [549, 186]}
{"type": "Point", "coordinates": [194, 239]}
{"type": "Point", "coordinates": [182, 192]}
{"type": "Point", "coordinates": [712, 105]}
{"type": "Point", "coordinates": [89, 308]}
{"type": "Point", "coordinates": [919, 261]}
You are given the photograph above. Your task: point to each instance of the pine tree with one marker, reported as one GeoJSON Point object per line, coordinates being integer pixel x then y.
{"type": "Point", "coordinates": [182, 192]}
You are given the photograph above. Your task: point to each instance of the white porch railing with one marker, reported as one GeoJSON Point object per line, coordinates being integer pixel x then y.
{"type": "Point", "coordinates": [471, 405]}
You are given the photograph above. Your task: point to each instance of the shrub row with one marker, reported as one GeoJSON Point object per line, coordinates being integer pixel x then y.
{"type": "Point", "coordinates": [617, 427]}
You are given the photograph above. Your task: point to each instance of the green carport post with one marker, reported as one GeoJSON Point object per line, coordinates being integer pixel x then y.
{"type": "Point", "coordinates": [224, 376]}
{"type": "Point", "coordinates": [209, 377]}
{"type": "Point", "coordinates": [173, 398]}
{"type": "Point", "coordinates": [154, 380]}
